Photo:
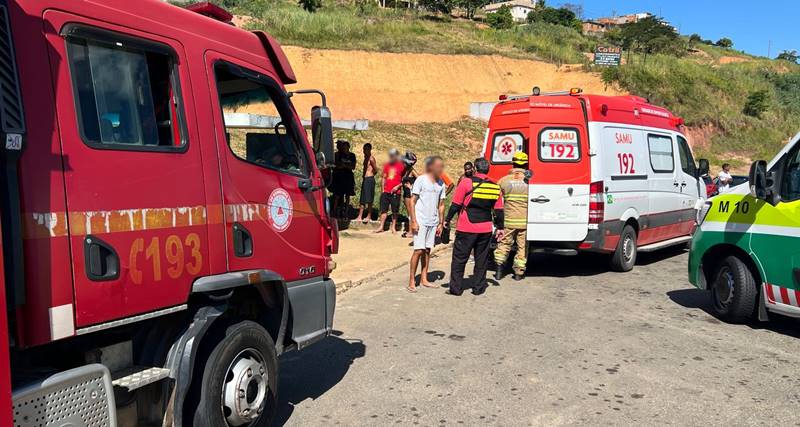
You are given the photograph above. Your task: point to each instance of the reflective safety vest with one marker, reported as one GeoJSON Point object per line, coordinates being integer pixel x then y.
{"type": "Point", "coordinates": [515, 198]}
{"type": "Point", "coordinates": [482, 200]}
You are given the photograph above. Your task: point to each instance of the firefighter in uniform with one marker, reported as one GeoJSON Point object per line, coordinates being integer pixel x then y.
{"type": "Point", "coordinates": [478, 203]}
{"type": "Point", "coordinates": [515, 202]}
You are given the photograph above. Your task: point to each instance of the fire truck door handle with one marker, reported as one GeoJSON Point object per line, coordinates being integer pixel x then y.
{"type": "Point", "coordinates": [100, 259]}
{"type": "Point", "coordinates": [541, 199]}
{"type": "Point", "coordinates": [242, 241]}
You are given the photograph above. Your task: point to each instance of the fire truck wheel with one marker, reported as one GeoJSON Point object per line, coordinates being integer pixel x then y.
{"type": "Point", "coordinates": [734, 291]}
{"type": "Point", "coordinates": [624, 257]}
{"type": "Point", "coordinates": [240, 380]}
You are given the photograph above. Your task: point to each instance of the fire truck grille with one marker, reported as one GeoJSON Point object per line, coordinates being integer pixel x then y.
{"type": "Point", "coordinates": [11, 117]}
{"type": "Point", "coordinates": [80, 397]}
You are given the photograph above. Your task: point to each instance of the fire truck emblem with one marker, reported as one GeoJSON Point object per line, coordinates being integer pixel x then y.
{"type": "Point", "coordinates": [280, 209]}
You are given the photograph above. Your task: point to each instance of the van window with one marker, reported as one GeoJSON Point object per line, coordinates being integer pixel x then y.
{"type": "Point", "coordinates": [687, 160]}
{"type": "Point", "coordinates": [505, 145]}
{"type": "Point", "coordinates": [790, 186]}
{"type": "Point", "coordinates": [662, 158]}
{"type": "Point", "coordinates": [559, 145]}
{"type": "Point", "coordinates": [259, 122]}
{"type": "Point", "coordinates": [126, 95]}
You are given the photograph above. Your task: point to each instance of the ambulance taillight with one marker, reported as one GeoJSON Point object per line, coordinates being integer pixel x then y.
{"type": "Point", "coordinates": [597, 204]}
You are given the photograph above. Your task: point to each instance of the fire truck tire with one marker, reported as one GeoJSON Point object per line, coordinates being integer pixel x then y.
{"type": "Point", "coordinates": [734, 291]}
{"type": "Point", "coordinates": [242, 373]}
{"type": "Point", "coordinates": [624, 257]}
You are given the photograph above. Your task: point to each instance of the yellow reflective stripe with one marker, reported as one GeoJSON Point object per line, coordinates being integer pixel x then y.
{"type": "Point", "coordinates": [508, 221]}
{"type": "Point", "coordinates": [482, 191]}
{"type": "Point", "coordinates": [516, 196]}
{"type": "Point", "coordinates": [485, 196]}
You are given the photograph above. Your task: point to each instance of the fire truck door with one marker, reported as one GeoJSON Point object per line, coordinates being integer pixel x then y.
{"type": "Point", "coordinates": [133, 177]}
{"type": "Point", "coordinates": [270, 222]}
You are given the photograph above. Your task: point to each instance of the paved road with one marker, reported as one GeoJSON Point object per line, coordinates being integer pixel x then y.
{"type": "Point", "coordinates": [571, 345]}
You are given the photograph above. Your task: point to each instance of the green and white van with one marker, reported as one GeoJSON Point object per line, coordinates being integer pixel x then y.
{"type": "Point", "coordinates": [746, 248]}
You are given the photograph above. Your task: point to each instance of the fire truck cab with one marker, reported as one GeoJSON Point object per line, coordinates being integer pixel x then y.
{"type": "Point", "coordinates": [165, 227]}
{"type": "Point", "coordinates": [609, 174]}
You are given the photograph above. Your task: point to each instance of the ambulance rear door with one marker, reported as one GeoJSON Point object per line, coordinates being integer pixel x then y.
{"type": "Point", "coordinates": [558, 209]}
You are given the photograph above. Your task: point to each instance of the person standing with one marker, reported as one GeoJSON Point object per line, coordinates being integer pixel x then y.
{"type": "Point", "coordinates": [725, 179]}
{"type": "Point", "coordinates": [514, 187]}
{"type": "Point", "coordinates": [343, 183]}
{"type": "Point", "coordinates": [477, 200]}
{"type": "Point", "coordinates": [367, 185]}
{"type": "Point", "coordinates": [409, 175]}
{"type": "Point", "coordinates": [392, 183]}
{"type": "Point", "coordinates": [427, 218]}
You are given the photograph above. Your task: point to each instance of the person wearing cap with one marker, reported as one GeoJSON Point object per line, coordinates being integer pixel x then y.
{"type": "Point", "coordinates": [514, 187]}
{"type": "Point", "coordinates": [478, 203]}
{"type": "Point", "coordinates": [392, 184]}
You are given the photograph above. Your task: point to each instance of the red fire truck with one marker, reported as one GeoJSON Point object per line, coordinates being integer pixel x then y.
{"type": "Point", "coordinates": [165, 229]}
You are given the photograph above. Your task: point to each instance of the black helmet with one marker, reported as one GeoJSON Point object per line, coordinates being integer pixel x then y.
{"type": "Point", "coordinates": [410, 158]}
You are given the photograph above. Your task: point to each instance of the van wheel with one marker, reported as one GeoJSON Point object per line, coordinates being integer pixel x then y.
{"type": "Point", "coordinates": [240, 380]}
{"type": "Point", "coordinates": [734, 291]}
{"type": "Point", "coordinates": [624, 257]}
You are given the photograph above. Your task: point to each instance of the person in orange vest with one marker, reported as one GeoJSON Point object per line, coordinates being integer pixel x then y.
{"type": "Point", "coordinates": [515, 203]}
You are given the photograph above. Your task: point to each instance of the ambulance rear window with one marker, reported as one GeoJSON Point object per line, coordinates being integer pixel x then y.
{"type": "Point", "coordinates": [559, 145]}
{"type": "Point", "coordinates": [505, 145]}
{"type": "Point", "coordinates": [125, 95]}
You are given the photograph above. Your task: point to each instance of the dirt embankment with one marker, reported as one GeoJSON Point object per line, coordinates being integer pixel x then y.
{"type": "Point", "coordinates": [412, 88]}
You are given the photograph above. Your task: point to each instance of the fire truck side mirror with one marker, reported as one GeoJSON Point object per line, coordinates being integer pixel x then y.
{"type": "Point", "coordinates": [322, 135]}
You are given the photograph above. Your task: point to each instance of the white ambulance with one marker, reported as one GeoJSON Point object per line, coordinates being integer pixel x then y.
{"type": "Point", "coordinates": [610, 174]}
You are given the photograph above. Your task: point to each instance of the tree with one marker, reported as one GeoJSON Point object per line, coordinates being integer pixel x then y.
{"type": "Point", "coordinates": [471, 6]}
{"type": "Point", "coordinates": [725, 43]}
{"type": "Point", "coordinates": [650, 35]}
{"type": "Point", "coordinates": [502, 19]}
{"type": "Point", "coordinates": [310, 5]}
{"type": "Point", "coordinates": [757, 103]}
{"type": "Point", "coordinates": [695, 39]}
{"type": "Point", "coordinates": [437, 6]}
{"type": "Point", "coordinates": [561, 16]}
{"type": "Point", "coordinates": [788, 55]}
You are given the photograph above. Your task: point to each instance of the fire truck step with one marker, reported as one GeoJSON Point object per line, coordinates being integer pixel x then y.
{"type": "Point", "coordinates": [665, 244]}
{"type": "Point", "coordinates": [138, 376]}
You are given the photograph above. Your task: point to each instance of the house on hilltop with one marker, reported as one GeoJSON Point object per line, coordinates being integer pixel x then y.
{"type": "Point", "coordinates": [519, 8]}
{"type": "Point", "coordinates": [601, 25]}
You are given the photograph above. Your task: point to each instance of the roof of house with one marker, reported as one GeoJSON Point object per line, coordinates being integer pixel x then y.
{"type": "Point", "coordinates": [513, 3]}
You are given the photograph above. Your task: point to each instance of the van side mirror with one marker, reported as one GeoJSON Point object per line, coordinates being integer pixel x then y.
{"type": "Point", "coordinates": [703, 167]}
{"type": "Point", "coordinates": [322, 135]}
{"type": "Point", "coordinates": [762, 182]}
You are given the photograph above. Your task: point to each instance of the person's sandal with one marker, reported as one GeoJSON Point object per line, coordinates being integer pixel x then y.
{"type": "Point", "coordinates": [410, 289]}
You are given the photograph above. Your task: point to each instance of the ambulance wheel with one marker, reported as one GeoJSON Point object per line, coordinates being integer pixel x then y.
{"type": "Point", "coordinates": [240, 380]}
{"type": "Point", "coordinates": [624, 257]}
{"type": "Point", "coordinates": [734, 291]}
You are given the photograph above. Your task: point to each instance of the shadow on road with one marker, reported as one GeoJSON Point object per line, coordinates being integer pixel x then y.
{"type": "Point", "coordinates": [310, 373]}
{"type": "Point", "coordinates": [587, 263]}
{"type": "Point", "coordinates": [433, 276]}
{"type": "Point", "coordinates": [700, 299]}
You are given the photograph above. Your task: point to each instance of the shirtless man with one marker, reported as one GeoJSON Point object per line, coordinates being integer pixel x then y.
{"type": "Point", "coordinates": [368, 185]}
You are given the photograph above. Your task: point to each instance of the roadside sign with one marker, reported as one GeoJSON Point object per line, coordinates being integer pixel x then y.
{"type": "Point", "coordinates": [608, 56]}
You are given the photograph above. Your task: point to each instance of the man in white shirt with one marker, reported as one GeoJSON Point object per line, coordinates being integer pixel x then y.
{"type": "Point", "coordinates": [427, 218]}
{"type": "Point", "coordinates": [725, 178]}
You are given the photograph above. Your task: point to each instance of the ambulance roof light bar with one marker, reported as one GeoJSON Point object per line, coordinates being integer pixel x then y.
{"type": "Point", "coordinates": [538, 92]}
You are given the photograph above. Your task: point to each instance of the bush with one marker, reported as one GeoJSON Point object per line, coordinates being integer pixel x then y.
{"type": "Point", "coordinates": [757, 103]}
{"type": "Point", "coordinates": [310, 5]}
{"type": "Point", "coordinates": [501, 19]}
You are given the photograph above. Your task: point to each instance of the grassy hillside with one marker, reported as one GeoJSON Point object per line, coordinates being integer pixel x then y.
{"type": "Point", "coordinates": [367, 27]}
{"type": "Point", "coordinates": [712, 96]}
{"type": "Point", "coordinates": [707, 85]}
{"type": "Point", "coordinates": [456, 142]}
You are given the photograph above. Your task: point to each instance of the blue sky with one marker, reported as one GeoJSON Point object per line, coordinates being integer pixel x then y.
{"type": "Point", "coordinates": [750, 24]}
